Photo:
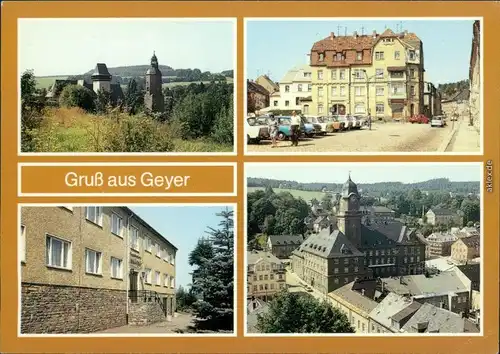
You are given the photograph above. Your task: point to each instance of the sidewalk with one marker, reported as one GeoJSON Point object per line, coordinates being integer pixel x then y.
{"type": "Point", "coordinates": [466, 139]}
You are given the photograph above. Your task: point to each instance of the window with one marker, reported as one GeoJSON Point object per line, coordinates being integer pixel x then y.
{"type": "Point", "coordinates": [359, 56]}
{"type": "Point", "coordinates": [412, 55]}
{"type": "Point", "coordinates": [166, 281]}
{"type": "Point", "coordinates": [406, 260]}
{"type": "Point", "coordinates": [158, 277]}
{"type": "Point", "coordinates": [147, 276]}
{"type": "Point", "coordinates": [359, 108]}
{"type": "Point", "coordinates": [339, 57]}
{"type": "Point", "coordinates": [261, 277]}
{"type": "Point", "coordinates": [299, 87]}
{"type": "Point", "coordinates": [158, 250]}
{"type": "Point", "coordinates": [346, 270]}
{"type": "Point", "coordinates": [379, 91]}
{"type": "Point", "coordinates": [336, 270]}
{"type": "Point", "coordinates": [320, 91]}
{"type": "Point", "coordinates": [379, 73]}
{"type": "Point", "coordinates": [149, 244]}
{"type": "Point", "coordinates": [342, 90]}
{"type": "Point", "coordinates": [287, 103]}
{"type": "Point", "coordinates": [116, 224]}
{"type": "Point", "coordinates": [94, 214]}
{"type": "Point", "coordinates": [172, 282]}
{"type": "Point", "coordinates": [92, 261]}
{"type": "Point", "coordinates": [309, 87]}
{"type": "Point", "coordinates": [306, 109]}
{"type": "Point", "coordinates": [320, 108]}
{"type": "Point", "coordinates": [272, 286]}
{"type": "Point", "coordinates": [321, 56]}
{"type": "Point", "coordinates": [22, 234]}
{"type": "Point", "coordinates": [275, 103]}
{"type": "Point", "coordinates": [307, 74]}
{"type": "Point", "coordinates": [134, 237]}
{"type": "Point", "coordinates": [287, 88]}
{"type": "Point", "coordinates": [412, 73]}
{"type": "Point", "coordinates": [320, 74]}
{"type": "Point", "coordinates": [58, 253]}
{"type": "Point", "coordinates": [116, 268]}
{"type": "Point", "coordinates": [334, 74]}
{"type": "Point", "coordinates": [412, 90]}
{"type": "Point", "coordinates": [346, 280]}
{"type": "Point", "coordinates": [358, 74]}
{"type": "Point", "coordinates": [342, 74]}
{"type": "Point", "coordinates": [297, 101]}
{"type": "Point", "coordinates": [396, 55]}
{"type": "Point", "coordinates": [255, 288]}
{"type": "Point", "coordinates": [379, 55]}
{"type": "Point", "coordinates": [356, 269]}
{"type": "Point", "coordinates": [334, 91]}
{"type": "Point", "coordinates": [336, 261]}
{"type": "Point", "coordinates": [360, 91]}
{"type": "Point", "coordinates": [336, 280]}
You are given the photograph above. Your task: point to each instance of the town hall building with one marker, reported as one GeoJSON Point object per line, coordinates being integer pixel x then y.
{"type": "Point", "coordinates": [358, 248]}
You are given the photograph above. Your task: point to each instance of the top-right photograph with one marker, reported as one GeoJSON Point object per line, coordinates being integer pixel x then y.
{"type": "Point", "coordinates": [342, 86]}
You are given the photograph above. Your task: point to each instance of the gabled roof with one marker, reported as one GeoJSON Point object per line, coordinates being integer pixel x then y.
{"type": "Point", "coordinates": [387, 233]}
{"type": "Point", "coordinates": [328, 244]}
{"type": "Point", "coordinates": [420, 285]}
{"type": "Point", "coordinates": [296, 74]}
{"type": "Point", "coordinates": [390, 306]}
{"type": "Point", "coordinates": [354, 298]}
{"type": "Point", "coordinates": [255, 87]}
{"type": "Point", "coordinates": [442, 211]}
{"type": "Point", "coordinates": [471, 241]}
{"type": "Point", "coordinates": [253, 257]}
{"type": "Point", "coordinates": [277, 240]}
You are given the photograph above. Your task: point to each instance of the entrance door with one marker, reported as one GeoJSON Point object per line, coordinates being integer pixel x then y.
{"type": "Point", "coordinates": [165, 304]}
{"type": "Point", "coordinates": [397, 111]}
{"type": "Point", "coordinates": [133, 276]}
{"type": "Point", "coordinates": [338, 109]}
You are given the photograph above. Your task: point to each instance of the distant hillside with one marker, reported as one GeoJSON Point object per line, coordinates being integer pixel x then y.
{"type": "Point", "coordinates": [132, 71]}
{"type": "Point", "coordinates": [452, 89]}
{"type": "Point", "coordinates": [438, 184]}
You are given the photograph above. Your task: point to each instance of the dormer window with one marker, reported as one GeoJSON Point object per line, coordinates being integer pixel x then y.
{"type": "Point", "coordinates": [339, 57]}
{"type": "Point", "coordinates": [359, 56]}
{"type": "Point", "coordinates": [412, 55]}
{"type": "Point", "coordinates": [321, 56]}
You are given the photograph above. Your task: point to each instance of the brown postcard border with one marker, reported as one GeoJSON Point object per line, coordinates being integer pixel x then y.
{"type": "Point", "coordinates": [446, 344]}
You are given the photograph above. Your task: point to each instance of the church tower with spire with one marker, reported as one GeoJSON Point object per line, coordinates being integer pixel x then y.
{"type": "Point", "coordinates": [153, 98]}
{"type": "Point", "coordinates": [349, 215]}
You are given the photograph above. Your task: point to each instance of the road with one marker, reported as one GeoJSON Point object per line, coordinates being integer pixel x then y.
{"type": "Point", "coordinates": [384, 137]}
{"type": "Point", "coordinates": [295, 284]}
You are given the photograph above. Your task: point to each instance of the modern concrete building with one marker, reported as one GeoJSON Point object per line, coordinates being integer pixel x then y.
{"type": "Point", "coordinates": [378, 74]}
{"type": "Point", "coordinates": [86, 269]}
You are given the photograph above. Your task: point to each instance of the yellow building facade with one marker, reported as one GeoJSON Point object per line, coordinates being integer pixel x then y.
{"type": "Point", "coordinates": [377, 74]}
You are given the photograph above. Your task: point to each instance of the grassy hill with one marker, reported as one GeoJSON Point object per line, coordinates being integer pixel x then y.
{"type": "Point", "coordinates": [133, 70]}
{"type": "Point", "coordinates": [306, 195]}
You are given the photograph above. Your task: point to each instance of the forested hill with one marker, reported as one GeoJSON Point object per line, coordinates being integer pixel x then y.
{"type": "Point", "coordinates": [140, 70]}
{"type": "Point", "coordinates": [438, 184]}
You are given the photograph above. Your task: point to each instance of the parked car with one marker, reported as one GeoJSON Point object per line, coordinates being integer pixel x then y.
{"type": "Point", "coordinates": [359, 121]}
{"type": "Point", "coordinates": [438, 121]}
{"type": "Point", "coordinates": [334, 124]}
{"type": "Point", "coordinates": [256, 130]}
{"type": "Point", "coordinates": [285, 130]}
{"type": "Point", "coordinates": [419, 119]}
{"type": "Point", "coordinates": [310, 129]}
{"type": "Point", "coordinates": [318, 121]}
{"type": "Point", "coordinates": [348, 123]}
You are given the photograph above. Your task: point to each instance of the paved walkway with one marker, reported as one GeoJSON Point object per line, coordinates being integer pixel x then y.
{"type": "Point", "coordinates": [181, 322]}
{"type": "Point", "coordinates": [466, 139]}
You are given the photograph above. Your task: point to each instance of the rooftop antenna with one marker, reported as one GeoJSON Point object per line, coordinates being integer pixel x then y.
{"type": "Point", "coordinates": [338, 29]}
{"type": "Point", "coordinates": [362, 30]}
{"type": "Point", "coordinates": [401, 26]}
{"type": "Point", "coordinates": [345, 30]}
{"type": "Point", "coordinates": [397, 27]}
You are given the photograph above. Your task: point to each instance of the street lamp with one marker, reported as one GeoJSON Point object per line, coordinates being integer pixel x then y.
{"type": "Point", "coordinates": [367, 82]}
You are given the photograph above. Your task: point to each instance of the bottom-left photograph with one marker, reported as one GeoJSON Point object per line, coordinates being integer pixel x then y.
{"type": "Point", "coordinates": [106, 269]}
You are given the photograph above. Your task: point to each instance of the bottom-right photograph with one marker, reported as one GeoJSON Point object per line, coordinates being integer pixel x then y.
{"type": "Point", "coordinates": [363, 248]}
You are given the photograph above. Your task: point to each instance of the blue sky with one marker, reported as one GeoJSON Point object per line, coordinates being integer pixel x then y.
{"type": "Point", "coordinates": [74, 46]}
{"type": "Point", "coordinates": [273, 47]}
{"type": "Point", "coordinates": [366, 172]}
{"type": "Point", "coordinates": [182, 226]}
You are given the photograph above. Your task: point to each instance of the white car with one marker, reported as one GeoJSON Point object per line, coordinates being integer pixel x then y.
{"type": "Point", "coordinates": [256, 131]}
{"type": "Point", "coordinates": [319, 121]}
{"type": "Point", "coordinates": [438, 121]}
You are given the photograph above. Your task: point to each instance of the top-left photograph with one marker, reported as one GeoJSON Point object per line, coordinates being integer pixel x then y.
{"type": "Point", "coordinates": [122, 85]}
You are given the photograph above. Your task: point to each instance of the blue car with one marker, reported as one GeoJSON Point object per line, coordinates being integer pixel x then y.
{"type": "Point", "coordinates": [285, 131]}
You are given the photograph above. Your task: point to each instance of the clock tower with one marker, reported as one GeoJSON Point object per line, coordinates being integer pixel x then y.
{"type": "Point", "coordinates": [153, 98]}
{"type": "Point", "coordinates": [349, 216]}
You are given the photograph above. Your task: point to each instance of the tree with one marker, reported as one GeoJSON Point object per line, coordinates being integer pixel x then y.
{"type": "Point", "coordinates": [296, 313]}
{"type": "Point", "coordinates": [133, 97]}
{"type": "Point", "coordinates": [77, 96]}
{"type": "Point", "coordinates": [471, 210]}
{"type": "Point", "coordinates": [32, 106]}
{"type": "Point", "coordinates": [103, 101]}
{"type": "Point", "coordinates": [223, 131]}
{"type": "Point", "coordinates": [184, 299]}
{"type": "Point", "coordinates": [214, 276]}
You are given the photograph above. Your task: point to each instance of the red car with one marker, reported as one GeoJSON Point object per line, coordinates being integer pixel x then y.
{"type": "Point", "coordinates": [419, 119]}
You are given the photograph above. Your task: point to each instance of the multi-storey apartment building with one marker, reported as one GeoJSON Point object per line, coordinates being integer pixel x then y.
{"type": "Point", "coordinates": [265, 275]}
{"type": "Point", "coordinates": [439, 244]}
{"type": "Point", "coordinates": [377, 74]}
{"type": "Point", "coordinates": [294, 86]}
{"type": "Point", "coordinates": [85, 269]}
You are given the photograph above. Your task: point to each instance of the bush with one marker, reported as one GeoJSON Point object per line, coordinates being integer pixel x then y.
{"type": "Point", "coordinates": [77, 96]}
{"type": "Point", "coordinates": [137, 134]}
{"type": "Point", "coordinates": [223, 131]}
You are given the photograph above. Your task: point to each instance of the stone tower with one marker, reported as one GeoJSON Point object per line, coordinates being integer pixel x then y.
{"type": "Point", "coordinates": [153, 98]}
{"type": "Point", "coordinates": [349, 215]}
{"type": "Point", "coordinates": [101, 78]}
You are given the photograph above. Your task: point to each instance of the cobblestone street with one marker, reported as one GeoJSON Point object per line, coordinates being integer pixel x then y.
{"type": "Point", "coordinates": [384, 137]}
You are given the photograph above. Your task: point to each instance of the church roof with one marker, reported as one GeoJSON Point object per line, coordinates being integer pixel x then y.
{"type": "Point", "coordinates": [386, 233]}
{"type": "Point", "coordinates": [328, 244]}
{"type": "Point", "coordinates": [101, 72]}
{"type": "Point", "coordinates": [349, 187]}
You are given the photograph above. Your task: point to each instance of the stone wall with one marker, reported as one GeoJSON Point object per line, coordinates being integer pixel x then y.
{"type": "Point", "coordinates": [69, 309]}
{"type": "Point", "coordinates": [145, 313]}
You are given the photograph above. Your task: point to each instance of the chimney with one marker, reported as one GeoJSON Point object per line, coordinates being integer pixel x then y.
{"type": "Point", "coordinates": [332, 35]}
{"type": "Point", "coordinates": [355, 34]}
